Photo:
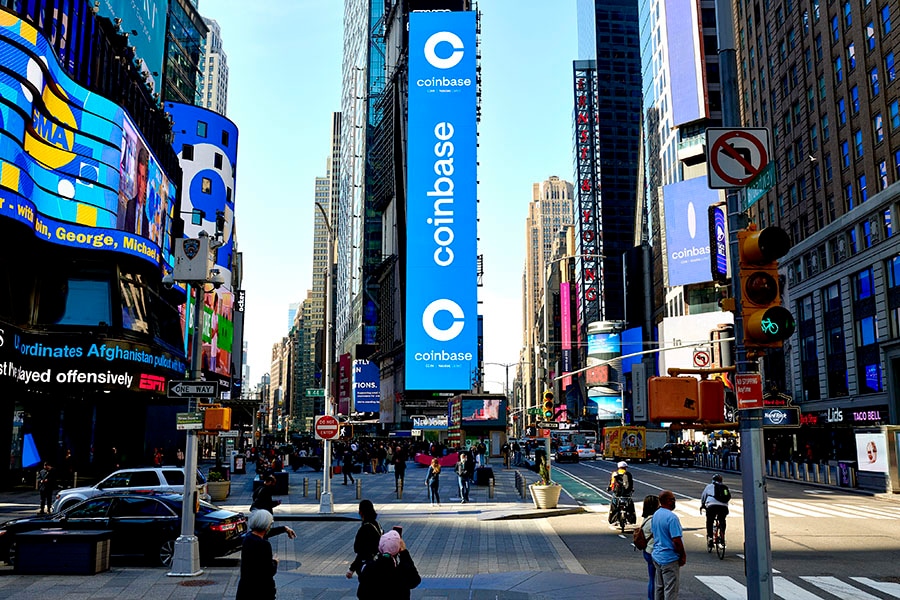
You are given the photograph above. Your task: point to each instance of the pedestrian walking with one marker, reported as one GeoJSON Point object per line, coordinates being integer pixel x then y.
{"type": "Point", "coordinates": [258, 563]}
{"type": "Point", "coordinates": [46, 486]}
{"type": "Point", "coordinates": [367, 537]}
{"type": "Point", "coordinates": [347, 465]}
{"type": "Point", "coordinates": [651, 505]}
{"type": "Point", "coordinates": [668, 550]}
{"type": "Point", "coordinates": [399, 468]}
{"type": "Point", "coordinates": [433, 481]}
{"type": "Point", "coordinates": [262, 496]}
{"type": "Point", "coordinates": [391, 573]}
{"type": "Point", "coordinates": [462, 474]}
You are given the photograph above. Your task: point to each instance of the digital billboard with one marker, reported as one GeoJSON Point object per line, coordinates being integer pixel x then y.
{"type": "Point", "coordinates": [366, 386]}
{"type": "Point", "coordinates": [483, 411]}
{"type": "Point", "coordinates": [73, 166]}
{"type": "Point", "coordinates": [687, 230]}
{"type": "Point", "coordinates": [145, 23]}
{"type": "Point", "coordinates": [441, 316]}
{"type": "Point", "coordinates": [685, 61]}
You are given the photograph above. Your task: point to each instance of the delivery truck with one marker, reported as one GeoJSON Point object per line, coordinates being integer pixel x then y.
{"type": "Point", "coordinates": [633, 443]}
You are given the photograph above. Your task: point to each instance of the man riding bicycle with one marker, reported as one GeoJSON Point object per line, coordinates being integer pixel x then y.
{"type": "Point", "coordinates": [715, 499]}
{"type": "Point", "coordinates": [621, 484]}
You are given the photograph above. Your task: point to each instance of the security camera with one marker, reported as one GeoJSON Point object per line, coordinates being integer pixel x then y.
{"type": "Point", "coordinates": [168, 281]}
{"type": "Point", "coordinates": [218, 280]}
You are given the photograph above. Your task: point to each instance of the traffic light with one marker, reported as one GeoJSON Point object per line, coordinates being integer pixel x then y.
{"type": "Point", "coordinates": [548, 405]}
{"type": "Point", "coordinates": [766, 324]}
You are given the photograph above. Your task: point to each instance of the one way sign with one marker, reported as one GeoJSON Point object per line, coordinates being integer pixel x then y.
{"type": "Point", "coordinates": [193, 389]}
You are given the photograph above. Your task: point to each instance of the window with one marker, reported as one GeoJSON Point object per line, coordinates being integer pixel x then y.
{"type": "Point", "coordinates": [826, 133]}
{"type": "Point", "coordinates": [858, 143]}
{"type": "Point", "coordinates": [874, 79]}
{"type": "Point", "coordinates": [225, 138]}
{"type": "Point", "coordinates": [894, 112]}
{"type": "Point", "coordinates": [135, 305]}
{"type": "Point", "coordinates": [886, 221]}
{"type": "Point", "coordinates": [870, 36]}
{"type": "Point", "coordinates": [854, 99]}
{"type": "Point", "coordinates": [848, 199]}
{"type": "Point", "coordinates": [851, 56]}
{"type": "Point", "coordinates": [834, 28]}
{"type": "Point", "coordinates": [814, 138]}
{"type": "Point", "coordinates": [889, 67]}
{"type": "Point", "coordinates": [217, 160]}
{"type": "Point", "coordinates": [187, 151]}
{"type": "Point", "coordinates": [828, 170]}
{"type": "Point", "coordinates": [842, 112]}
{"type": "Point", "coordinates": [863, 193]}
{"type": "Point", "coordinates": [87, 302]}
{"type": "Point", "coordinates": [838, 70]}
{"type": "Point", "coordinates": [201, 129]}
{"type": "Point", "coordinates": [878, 128]}
{"type": "Point", "coordinates": [819, 51]}
{"type": "Point", "coordinates": [206, 185]}
{"type": "Point", "coordinates": [848, 15]}
{"type": "Point", "coordinates": [886, 19]}
{"type": "Point", "coordinates": [822, 88]}
{"type": "Point", "coordinates": [883, 178]}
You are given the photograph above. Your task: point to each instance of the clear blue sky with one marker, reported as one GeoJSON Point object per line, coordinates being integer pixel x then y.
{"type": "Point", "coordinates": [284, 60]}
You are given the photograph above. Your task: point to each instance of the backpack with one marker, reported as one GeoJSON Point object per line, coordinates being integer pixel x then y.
{"type": "Point", "coordinates": [721, 493]}
{"type": "Point", "coordinates": [638, 538]}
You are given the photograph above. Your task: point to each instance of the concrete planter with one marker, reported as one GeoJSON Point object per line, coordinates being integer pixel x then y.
{"type": "Point", "coordinates": [218, 490]}
{"type": "Point", "coordinates": [545, 496]}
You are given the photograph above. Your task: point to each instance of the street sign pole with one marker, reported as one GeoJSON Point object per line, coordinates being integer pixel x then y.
{"type": "Point", "coordinates": [186, 560]}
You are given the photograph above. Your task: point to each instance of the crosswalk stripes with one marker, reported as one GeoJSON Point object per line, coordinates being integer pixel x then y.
{"type": "Point", "coordinates": [731, 589]}
{"type": "Point", "coordinates": [800, 509]}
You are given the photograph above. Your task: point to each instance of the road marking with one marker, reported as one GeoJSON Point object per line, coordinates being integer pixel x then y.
{"type": "Point", "coordinates": [828, 511]}
{"type": "Point", "coordinates": [791, 591]}
{"type": "Point", "coordinates": [783, 509]}
{"type": "Point", "coordinates": [870, 512]}
{"type": "Point", "coordinates": [838, 588]}
{"type": "Point", "coordinates": [891, 589]}
{"type": "Point", "coordinates": [726, 587]}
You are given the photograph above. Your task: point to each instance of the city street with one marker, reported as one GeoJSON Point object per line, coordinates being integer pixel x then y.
{"type": "Point", "coordinates": [825, 543]}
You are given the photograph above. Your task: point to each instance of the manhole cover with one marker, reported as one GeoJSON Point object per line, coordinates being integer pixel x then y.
{"type": "Point", "coordinates": [197, 582]}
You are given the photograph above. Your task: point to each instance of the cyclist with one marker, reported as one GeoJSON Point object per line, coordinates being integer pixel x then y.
{"type": "Point", "coordinates": [621, 484]}
{"type": "Point", "coordinates": [716, 505]}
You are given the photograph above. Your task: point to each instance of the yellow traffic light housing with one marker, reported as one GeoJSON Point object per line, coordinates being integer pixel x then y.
{"type": "Point", "coordinates": [766, 324]}
{"type": "Point", "coordinates": [548, 405]}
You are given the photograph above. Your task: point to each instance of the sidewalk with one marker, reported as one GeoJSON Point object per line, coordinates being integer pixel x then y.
{"type": "Point", "coordinates": [500, 547]}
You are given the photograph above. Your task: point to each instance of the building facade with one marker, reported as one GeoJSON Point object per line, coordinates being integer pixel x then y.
{"type": "Point", "coordinates": [212, 76]}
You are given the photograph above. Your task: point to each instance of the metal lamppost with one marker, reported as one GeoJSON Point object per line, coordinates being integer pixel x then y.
{"type": "Point", "coordinates": [326, 503]}
{"type": "Point", "coordinates": [186, 559]}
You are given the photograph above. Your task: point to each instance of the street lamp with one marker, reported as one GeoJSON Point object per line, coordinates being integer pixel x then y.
{"type": "Point", "coordinates": [186, 559]}
{"type": "Point", "coordinates": [326, 503]}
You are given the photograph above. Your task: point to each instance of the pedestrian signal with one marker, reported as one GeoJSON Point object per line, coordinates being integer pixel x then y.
{"type": "Point", "coordinates": [766, 324]}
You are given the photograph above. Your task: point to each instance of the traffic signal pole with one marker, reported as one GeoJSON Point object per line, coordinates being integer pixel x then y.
{"type": "Point", "coordinates": [757, 545]}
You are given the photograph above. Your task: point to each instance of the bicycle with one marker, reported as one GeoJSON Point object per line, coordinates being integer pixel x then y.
{"type": "Point", "coordinates": [621, 515]}
{"type": "Point", "coordinates": [718, 539]}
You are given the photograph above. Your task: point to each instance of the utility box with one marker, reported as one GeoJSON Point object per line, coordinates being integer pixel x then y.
{"type": "Point", "coordinates": [217, 419]}
{"type": "Point", "coordinates": [194, 259]}
{"type": "Point", "coordinates": [712, 401]}
{"type": "Point", "coordinates": [673, 399]}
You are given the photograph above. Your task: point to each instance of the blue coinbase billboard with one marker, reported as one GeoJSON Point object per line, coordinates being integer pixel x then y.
{"type": "Point", "coordinates": [687, 230]}
{"type": "Point", "coordinates": [441, 316]}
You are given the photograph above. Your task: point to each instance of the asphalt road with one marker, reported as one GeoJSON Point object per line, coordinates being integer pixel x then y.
{"type": "Point", "coordinates": [821, 539]}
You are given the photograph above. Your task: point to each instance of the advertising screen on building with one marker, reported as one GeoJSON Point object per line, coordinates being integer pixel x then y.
{"type": "Point", "coordinates": [441, 316]}
{"type": "Point", "coordinates": [366, 388]}
{"type": "Point", "coordinates": [483, 411]}
{"type": "Point", "coordinates": [73, 166]}
{"type": "Point", "coordinates": [687, 230]}
{"type": "Point", "coordinates": [145, 22]}
{"type": "Point", "coordinates": [685, 61]}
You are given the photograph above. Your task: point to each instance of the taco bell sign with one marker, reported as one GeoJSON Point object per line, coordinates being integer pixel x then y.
{"type": "Point", "coordinates": [441, 316]}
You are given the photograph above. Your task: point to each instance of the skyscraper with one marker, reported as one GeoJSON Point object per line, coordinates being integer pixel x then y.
{"type": "Point", "coordinates": [212, 78]}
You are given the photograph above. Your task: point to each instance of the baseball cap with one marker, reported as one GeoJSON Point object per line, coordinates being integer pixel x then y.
{"type": "Point", "coordinates": [622, 464]}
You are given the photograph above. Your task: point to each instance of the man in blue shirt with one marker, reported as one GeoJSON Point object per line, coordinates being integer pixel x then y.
{"type": "Point", "coordinates": [668, 549]}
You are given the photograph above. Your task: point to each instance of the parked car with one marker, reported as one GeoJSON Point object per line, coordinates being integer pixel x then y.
{"type": "Point", "coordinates": [675, 455]}
{"type": "Point", "coordinates": [169, 480]}
{"type": "Point", "coordinates": [586, 452]}
{"type": "Point", "coordinates": [567, 454]}
{"type": "Point", "coordinates": [145, 524]}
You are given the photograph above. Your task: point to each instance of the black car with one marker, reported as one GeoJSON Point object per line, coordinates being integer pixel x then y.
{"type": "Point", "coordinates": [567, 454]}
{"type": "Point", "coordinates": [144, 524]}
{"type": "Point", "coordinates": [675, 455]}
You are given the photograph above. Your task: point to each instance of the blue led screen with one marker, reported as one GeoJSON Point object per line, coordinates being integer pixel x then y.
{"type": "Point", "coordinates": [73, 166]}
{"type": "Point", "coordinates": [441, 319]}
{"type": "Point", "coordinates": [687, 230]}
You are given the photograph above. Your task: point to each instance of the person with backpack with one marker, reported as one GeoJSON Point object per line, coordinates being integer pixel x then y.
{"type": "Point", "coordinates": [714, 500]}
{"type": "Point", "coordinates": [391, 573]}
{"type": "Point", "coordinates": [643, 539]}
{"type": "Point", "coordinates": [262, 496]}
{"type": "Point", "coordinates": [621, 484]}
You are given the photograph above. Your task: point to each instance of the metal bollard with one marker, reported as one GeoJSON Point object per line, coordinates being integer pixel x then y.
{"type": "Point", "coordinates": [491, 488]}
{"type": "Point", "coordinates": [400, 489]}
{"type": "Point", "coordinates": [816, 473]}
{"type": "Point", "coordinates": [359, 489]}
{"type": "Point", "coordinates": [318, 490]}
{"type": "Point", "coordinates": [768, 467]}
{"type": "Point", "coordinates": [305, 486]}
{"type": "Point", "coordinates": [523, 484]}
{"type": "Point", "coordinates": [805, 471]}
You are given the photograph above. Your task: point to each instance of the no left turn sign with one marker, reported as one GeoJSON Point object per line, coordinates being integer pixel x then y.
{"type": "Point", "coordinates": [735, 156]}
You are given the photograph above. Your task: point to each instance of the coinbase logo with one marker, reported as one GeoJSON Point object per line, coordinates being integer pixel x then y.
{"type": "Point", "coordinates": [444, 63]}
{"type": "Point", "coordinates": [431, 311]}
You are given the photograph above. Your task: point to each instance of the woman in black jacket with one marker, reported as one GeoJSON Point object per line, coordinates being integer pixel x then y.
{"type": "Point", "coordinates": [258, 564]}
{"type": "Point", "coordinates": [367, 537]}
{"type": "Point", "coordinates": [391, 574]}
